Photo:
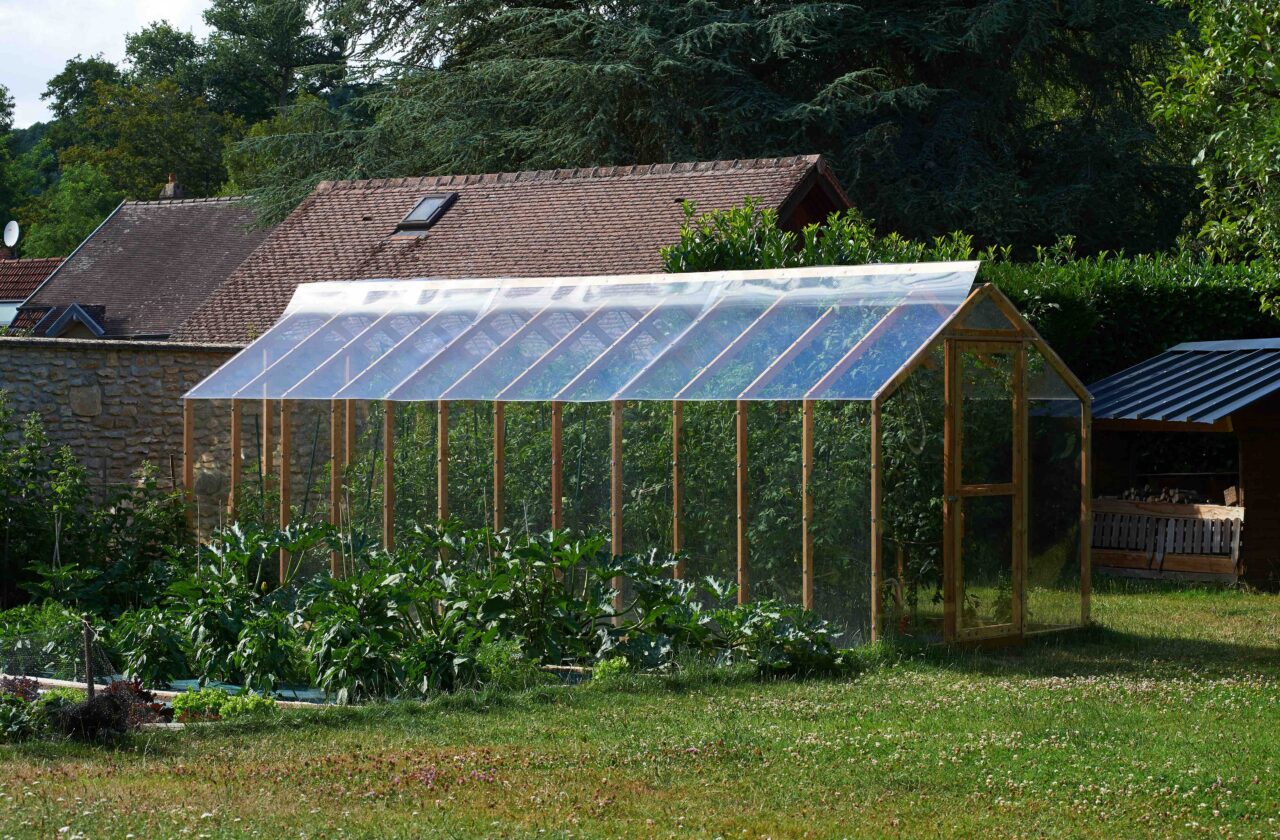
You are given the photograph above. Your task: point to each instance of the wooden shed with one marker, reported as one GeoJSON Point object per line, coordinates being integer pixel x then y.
{"type": "Point", "coordinates": [1216, 387]}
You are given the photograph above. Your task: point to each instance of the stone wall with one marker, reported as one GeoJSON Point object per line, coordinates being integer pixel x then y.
{"type": "Point", "coordinates": [115, 403]}
{"type": "Point", "coordinates": [118, 404]}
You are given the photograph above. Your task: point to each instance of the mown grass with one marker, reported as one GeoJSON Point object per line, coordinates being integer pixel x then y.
{"type": "Point", "coordinates": [1162, 721]}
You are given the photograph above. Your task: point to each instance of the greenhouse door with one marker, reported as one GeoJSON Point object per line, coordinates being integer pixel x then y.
{"type": "Point", "coordinates": [985, 506]}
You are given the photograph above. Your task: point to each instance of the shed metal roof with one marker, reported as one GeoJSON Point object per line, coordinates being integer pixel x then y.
{"type": "Point", "coordinates": [1196, 382]}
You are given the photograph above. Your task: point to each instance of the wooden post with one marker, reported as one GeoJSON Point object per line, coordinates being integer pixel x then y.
{"type": "Point", "coordinates": [557, 468]}
{"type": "Point", "coordinates": [286, 439]}
{"type": "Point", "coordinates": [188, 459]}
{"type": "Point", "coordinates": [615, 490]}
{"type": "Point", "coordinates": [740, 427]}
{"type": "Point", "coordinates": [499, 463]}
{"type": "Point", "coordinates": [87, 627]}
{"type": "Point", "coordinates": [877, 520]}
{"type": "Point", "coordinates": [1020, 473]}
{"type": "Point", "coordinates": [349, 427]}
{"type": "Point", "coordinates": [237, 466]}
{"type": "Point", "coordinates": [677, 487]}
{"type": "Point", "coordinates": [442, 461]}
{"type": "Point", "coordinates": [950, 497]}
{"type": "Point", "coordinates": [388, 475]}
{"type": "Point", "coordinates": [806, 504]}
{"type": "Point", "coordinates": [1086, 509]}
{"type": "Point", "coordinates": [268, 443]}
{"type": "Point", "coordinates": [335, 480]}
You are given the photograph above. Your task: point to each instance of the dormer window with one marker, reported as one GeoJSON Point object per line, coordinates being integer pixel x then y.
{"type": "Point", "coordinates": [426, 212]}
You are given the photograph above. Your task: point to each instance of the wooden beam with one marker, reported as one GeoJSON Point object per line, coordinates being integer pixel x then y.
{"type": "Point", "coordinates": [188, 459]}
{"type": "Point", "coordinates": [806, 503]}
{"type": "Point", "coordinates": [950, 499]}
{"type": "Point", "coordinates": [1086, 512]}
{"type": "Point", "coordinates": [268, 443]}
{"type": "Point", "coordinates": [499, 463]}
{"type": "Point", "coordinates": [388, 475]}
{"type": "Point", "coordinates": [286, 442]}
{"type": "Point", "coordinates": [349, 428]}
{"type": "Point", "coordinates": [237, 466]}
{"type": "Point", "coordinates": [557, 466]}
{"type": "Point", "coordinates": [335, 480]}
{"type": "Point", "coordinates": [740, 435]}
{"type": "Point", "coordinates": [442, 461]}
{"type": "Point", "coordinates": [731, 349]}
{"type": "Point", "coordinates": [877, 520]}
{"type": "Point", "coordinates": [1021, 470]}
{"type": "Point", "coordinates": [615, 492]}
{"type": "Point", "coordinates": [1117, 425]}
{"type": "Point", "coordinates": [677, 487]}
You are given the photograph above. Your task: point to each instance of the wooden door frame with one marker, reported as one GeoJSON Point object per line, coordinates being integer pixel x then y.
{"type": "Point", "coordinates": [955, 490]}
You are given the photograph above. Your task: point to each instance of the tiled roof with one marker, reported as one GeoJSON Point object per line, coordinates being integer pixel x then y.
{"type": "Point", "coordinates": [603, 220]}
{"type": "Point", "coordinates": [19, 278]}
{"type": "Point", "coordinates": [149, 265]}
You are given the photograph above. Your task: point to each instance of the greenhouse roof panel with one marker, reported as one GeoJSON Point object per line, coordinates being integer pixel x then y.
{"type": "Point", "coordinates": [835, 333]}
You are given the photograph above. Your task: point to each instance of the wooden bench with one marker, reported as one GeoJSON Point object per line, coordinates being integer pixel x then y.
{"type": "Point", "coordinates": [1158, 539]}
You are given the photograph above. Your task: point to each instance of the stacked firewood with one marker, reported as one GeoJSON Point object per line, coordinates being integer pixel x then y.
{"type": "Point", "coordinates": [1172, 495]}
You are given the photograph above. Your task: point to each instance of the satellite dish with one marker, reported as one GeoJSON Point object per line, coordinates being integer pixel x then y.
{"type": "Point", "coordinates": [10, 234]}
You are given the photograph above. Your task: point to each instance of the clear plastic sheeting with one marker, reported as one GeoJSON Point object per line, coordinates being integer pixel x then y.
{"type": "Point", "coordinates": [828, 333]}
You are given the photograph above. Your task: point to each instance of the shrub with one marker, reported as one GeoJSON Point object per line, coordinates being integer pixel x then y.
{"type": "Point", "coordinates": [204, 704]}
{"type": "Point", "coordinates": [104, 715]}
{"type": "Point", "coordinates": [247, 705]}
{"type": "Point", "coordinates": [151, 645]}
{"type": "Point", "coordinates": [19, 718]}
{"type": "Point", "coordinates": [24, 688]}
{"type": "Point", "coordinates": [608, 671]}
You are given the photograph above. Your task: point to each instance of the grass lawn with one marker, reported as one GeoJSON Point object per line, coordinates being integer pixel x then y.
{"type": "Point", "coordinates": [1163, 722]}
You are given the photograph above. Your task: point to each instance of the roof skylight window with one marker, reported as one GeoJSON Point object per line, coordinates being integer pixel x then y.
{"type": "Point", "coordinates": [426, 212]}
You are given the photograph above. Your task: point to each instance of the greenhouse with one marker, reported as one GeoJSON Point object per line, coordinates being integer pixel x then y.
{"type": "Point", "coordinates": [890, 446]}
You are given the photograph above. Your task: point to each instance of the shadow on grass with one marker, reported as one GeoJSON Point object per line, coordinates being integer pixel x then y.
{"type": "Point", "coordinates": [1102, 651]}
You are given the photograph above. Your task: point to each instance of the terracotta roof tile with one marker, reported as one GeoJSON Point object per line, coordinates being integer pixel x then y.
{"type": "Point", "coordinates": [150, 265]}
{"type": "Point", "coordinates": [599, 220]}
{"type": "Point", "coordinates": [19, 278]}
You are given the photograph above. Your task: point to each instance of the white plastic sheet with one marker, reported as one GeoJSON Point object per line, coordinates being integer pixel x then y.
{"type": "Point", "coordinates": [833, 333]}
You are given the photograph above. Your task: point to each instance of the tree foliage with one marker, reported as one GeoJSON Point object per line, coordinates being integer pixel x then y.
{"type": "Point", "coordinates": [1010, 120]}
{"type": "Point", "coordinates": [1224, 86]}
{"type": "Point", "coordinates": [62, 217]}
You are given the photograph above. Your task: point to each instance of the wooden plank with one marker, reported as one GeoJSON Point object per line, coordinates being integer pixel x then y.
{"type": "Point", "coordinates": [188, 459]}
{"type": "Point", "coordinates": [1001, 489]}
{"type": "Point", "coordinates": [442, 461]}
{"type": "Point", "coordinates": [950, 500]}
{"type": "Point", "coordinates": [286, 448]}
{"type": "Point", "coordinates": [268, 444]}
{"type": "Point", "coordinates": [335, 480]}
{"type": "Point", "coordinates": [349, 428]}
{"type": "Point", "coordinates": [237, 457]}
{"type": "Point", "coordinates": [677, 487]}
{"type": "Point", "coordinates": [877, 505]}
{"type": "Point", "coordinates": [615, 494]}
{"type": "Point", "coordinates": [1120, 425]}
{"type": "Point", "coordinates": [740, 430]}
{"type": "Point", "coordinates": [388, 475]}
{"type": "Point", "coordinates": [499, 463]}
{"type": "Point", "coordinates": [806, 506]}
{"type": "Point", "coordinates": [1021, 470]}
{"type": "Point", "coordinates": [1126, 506]}
{"type": "Point", "coordinates": [557, 466]}
{"type": "Point", "coordinates": [1173, 562]}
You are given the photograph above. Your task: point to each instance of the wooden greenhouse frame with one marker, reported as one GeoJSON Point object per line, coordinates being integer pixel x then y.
{"type": "Point", "coordinates": [954, 336]}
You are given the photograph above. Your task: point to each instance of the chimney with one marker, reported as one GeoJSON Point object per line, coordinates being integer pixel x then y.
{"type": "Point", "coordinates": [172, 191]}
